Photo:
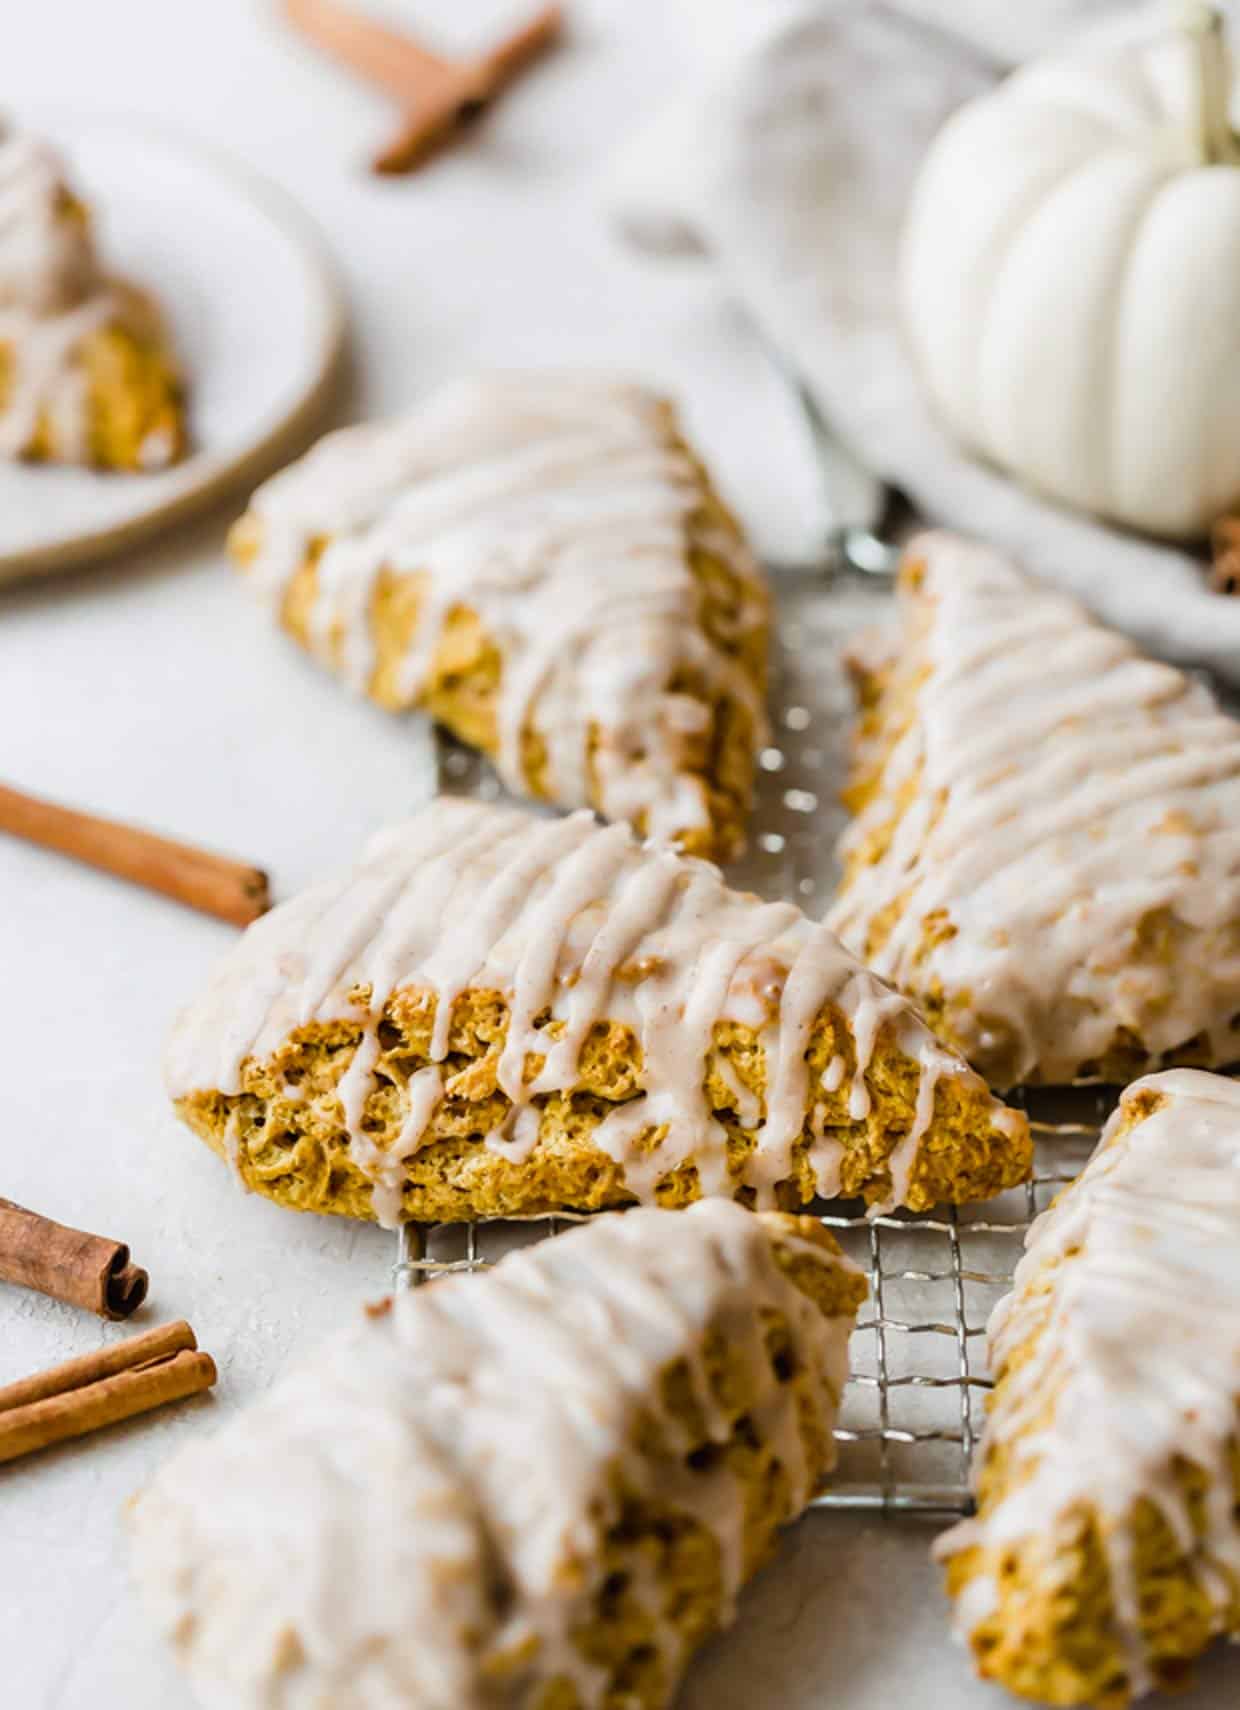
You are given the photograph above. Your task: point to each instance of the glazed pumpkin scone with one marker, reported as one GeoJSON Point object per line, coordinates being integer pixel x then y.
{"type": "Point", "coordinates": [540, 561]}
{"type": "Point", "coordinates": [497, 1014]}
{"type": "Point", "coordinates": [1046, 853]}
{"type": "Point", "coordinates": [86, 371]}
{"type": "Point", "coordinates": [542, 1487]}
{"type": "Point", "coordinates": [1105, 1554]}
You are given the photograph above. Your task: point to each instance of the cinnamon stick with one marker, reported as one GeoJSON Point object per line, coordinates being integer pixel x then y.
{"type": "Point", "coordinates": [213, 884]}
{"type": "Point", "coordinates": [1225, 551]}
{"type": "Point", "coordinates": [84, 1270]}
{"type": "Point", "coordinates": [88, 1394]}
{"type": "Point", "coordinates": [465, 94]}
{"type": "Point", "coordinates": [388, 58]}
{"type": "Point", "coordinates": [161, 1343]}
{"type": "Point", "coordinates": [439, 95]}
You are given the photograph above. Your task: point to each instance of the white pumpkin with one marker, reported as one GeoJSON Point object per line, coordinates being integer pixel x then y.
{"type": "Point", "coordinates": [1071, 279]}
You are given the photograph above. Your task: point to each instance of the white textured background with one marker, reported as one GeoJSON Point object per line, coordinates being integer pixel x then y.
{"type": "Point", "coordinates": [152, 689]}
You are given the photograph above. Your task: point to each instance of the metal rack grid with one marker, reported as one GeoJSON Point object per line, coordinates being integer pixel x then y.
{"type": "Point", "coordinates": [912, 1412]}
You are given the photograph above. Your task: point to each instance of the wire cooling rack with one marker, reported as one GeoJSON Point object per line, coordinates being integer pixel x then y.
{"type": "Point", "coordinates": [912, 1412]}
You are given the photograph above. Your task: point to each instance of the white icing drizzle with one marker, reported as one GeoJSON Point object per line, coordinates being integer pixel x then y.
{"type": "Point", "coordinates": [1135, 1349]}
{"type": "Point", "coordinates": [745, 1102]}
{"type": "Point", "coordinates": [1069, 796]}
{"type": "Point", "coordinates": [575, 924]}
{"type": "Point", "coordinates": [556, 508]}
{"type": "Point", "coordinates": [53, 296]}
{"type": "Point", "coordinates": [904, 1159]}
{"type": "Point", "coordinates": [434, 1488]}
{"type": "Point", "coordinates": [833, 1074]}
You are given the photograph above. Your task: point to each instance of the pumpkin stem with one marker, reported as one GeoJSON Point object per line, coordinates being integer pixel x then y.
{"type": "Point", "coordinates": [1215, 138]}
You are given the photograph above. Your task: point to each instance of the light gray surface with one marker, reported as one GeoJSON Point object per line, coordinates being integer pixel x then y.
{"type": "Point", "coordinates": [154, 690]}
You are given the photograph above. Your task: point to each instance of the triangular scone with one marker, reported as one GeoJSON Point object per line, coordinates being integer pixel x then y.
{"type": "Point", "coordinates": [541, 562]}
{"type": "Point", "coordinates": [86, 372]}
{"type": "Point", "coordinates": [542, 1486]}
{"type": "Point", "coordinates": [1046, 854]}
{"type": "Point", "coordinates": [496, 1014]}
{"type": "Point", "coordinates": [1105, 1554]}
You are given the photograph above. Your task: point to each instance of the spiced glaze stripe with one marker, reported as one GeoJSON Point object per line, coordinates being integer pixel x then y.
{"type": "Point", "coordinates": [552, 913]}
{"type": "Point", "coordinates": [1135, 1350]}
{"type": "Point", "coordinates": [558, 509]}
{"type": "Point", "coordinates": [434, 1487]}
{"type": "Point", "coordinates": [1075, 815]}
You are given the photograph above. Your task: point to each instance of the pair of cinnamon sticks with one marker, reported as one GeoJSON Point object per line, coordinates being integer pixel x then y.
{"type": "Point", "coordinates": [102, 1388]}
{"type": "Point", "coordinates": [437, 96]}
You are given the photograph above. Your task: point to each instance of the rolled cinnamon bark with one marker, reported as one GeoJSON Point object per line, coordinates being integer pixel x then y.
{"type": "Point", "coordinates": [162, 1343]}
{"type": "Point", "coordinates": [391, 59]}
{"type": "Point", "coordinates": [84, 1270]}
{"type": "Point", "coordinates": [75, 1412]}
{"type": "Point", "coordinates": [213, 884]}
{"type": "Point", "coordinates": [465, 91]}
{"type": "Point", "coordinates": [439, 95]}
{"type": "Point", "coordinates": [1225, 549]}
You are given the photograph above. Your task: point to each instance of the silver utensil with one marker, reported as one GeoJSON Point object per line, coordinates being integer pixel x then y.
{"type": "Point", "coordinates": [853, 500]}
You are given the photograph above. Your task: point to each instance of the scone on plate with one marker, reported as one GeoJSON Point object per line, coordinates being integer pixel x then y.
{"type": "Point", "coordinates": [496, 1014]}
{"type": "Point", "coordinates": [541, 1487]}
{"type": "Point", "coordinates": [540, 561]}
{"type": "Point", "coordinates": [86, 371]}
{"type": "Point", "coordinates": [1105, 1554]}
{"type": "Point", "coordinates": [1046, 853]}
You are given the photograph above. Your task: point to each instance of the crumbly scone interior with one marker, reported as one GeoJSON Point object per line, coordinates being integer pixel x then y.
{"type": "Point", "coordinates": [1073, 1589]}
{"type": "Point", "coordinates": [671, 1038]}
{"type": "Point", "coordinates": [1040, 854]}
{"type": "Point", "coordinates": [284, 1136]}
{"type": "Point", "coordinates": [605, 1552]}
{"type": "Point", "coordinates": [672, 747]}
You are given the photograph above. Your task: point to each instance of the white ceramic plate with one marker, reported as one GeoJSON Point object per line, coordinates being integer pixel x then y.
{"type": "Point", "coordinates": [256, 315]}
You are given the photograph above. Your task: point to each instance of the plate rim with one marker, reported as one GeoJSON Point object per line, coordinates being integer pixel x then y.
{"type": "Point", "coordinates": [220, 473]}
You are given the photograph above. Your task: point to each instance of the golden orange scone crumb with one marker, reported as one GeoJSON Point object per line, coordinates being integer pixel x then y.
{"type": "Point", "coordinates": [285, 1135]}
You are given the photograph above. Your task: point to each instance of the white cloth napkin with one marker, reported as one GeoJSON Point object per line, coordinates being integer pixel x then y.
{"type": "Point", "coordinates": [790, 165]}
